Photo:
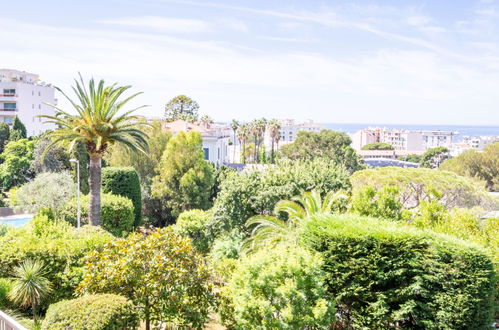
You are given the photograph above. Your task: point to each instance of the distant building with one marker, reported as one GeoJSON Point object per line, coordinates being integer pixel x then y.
{"type": "Point", "coordinates": [472, 142]}
{"type": "Point", "coordinates": [383, 162]}
{"type": "Point", "coordinates": [410, 141]}
{"type": "Point", "coordinates": [23, 95]}
{"type": "Point", "coordinates": [215, 138]}
{"type": "Point", "coordinates": [289, 129]}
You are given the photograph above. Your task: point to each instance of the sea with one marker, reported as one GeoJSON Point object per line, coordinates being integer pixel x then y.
{"type": "Point", "coordinates": [460, 130]}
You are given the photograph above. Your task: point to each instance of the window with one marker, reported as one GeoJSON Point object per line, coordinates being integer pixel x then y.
{"type": "Point", "coordinates": [33, 92]}
{"type": "Point", "coordinates": [206, 153]}
{"type": "Point", "coordinates": [8, 120]}
{"type": "Point", "coordinates": [9, 106]}
{"type": "Point", "coordinates": [218, 153]}
{"type": "Point", "coordinates": [32, 106]}
{"type": "Point", "coordinates": [9, 92]}
{"type": "Point", "coordinates": [39, 106]}
{"type": "Point", "coordinates": [39, 94]}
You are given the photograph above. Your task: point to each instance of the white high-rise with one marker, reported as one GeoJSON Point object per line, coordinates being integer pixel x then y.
{"type": "Point", "coordinates": [23, 95]}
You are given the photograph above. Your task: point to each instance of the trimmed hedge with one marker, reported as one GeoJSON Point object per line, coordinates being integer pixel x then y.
{"type": "Point", "coordinates": [124, 181]}
{"type": "Point", "coordinates": [58, 245]}
{"type": "Point", "coordinates": [116, 213]}
{"type": "Point", "coordinates": [387, 275]}
{"type": "Point", "coordinates": [93, 312]}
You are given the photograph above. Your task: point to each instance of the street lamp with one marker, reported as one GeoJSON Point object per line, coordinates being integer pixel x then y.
{"type": "Point", "coordinates": [77, 162]}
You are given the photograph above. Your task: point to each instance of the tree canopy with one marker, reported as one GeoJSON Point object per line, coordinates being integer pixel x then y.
{"type": "Point", "coordinates": [325, 144]}
{"type": "Point", "coordinates": [15, 169]}
{"type": "Point", "coordinates": [378, 146]}
{"type": "Point", "coordinates": [433, 157]}
{"type": "Point", "coordinates": [483, 165]}
{"type": "Point", "coordinates": [182, 107]}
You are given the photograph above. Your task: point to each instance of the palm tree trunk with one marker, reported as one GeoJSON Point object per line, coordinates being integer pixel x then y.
{"type": "Point", "coordinates": [94, 181]}
{"type": "Point", "coordinates": [272, 157]}
{"type": "Point", "coordinates": [234, 152]}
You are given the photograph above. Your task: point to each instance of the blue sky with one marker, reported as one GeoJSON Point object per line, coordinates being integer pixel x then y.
{"type": "Point", "coordinates": [413, 62]}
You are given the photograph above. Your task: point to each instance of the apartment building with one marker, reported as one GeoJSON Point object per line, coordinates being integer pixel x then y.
{"type": "Point", "coordinates": [24, 95]}
{"type": "Point", "coordinates": [413, 141]}
{"type": "Point", "coordinates": [215, 138]}
{"type": "Point", "coordinates": [290, 129]}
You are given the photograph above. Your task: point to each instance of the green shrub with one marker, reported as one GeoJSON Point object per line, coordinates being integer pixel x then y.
{"type": "Point", "coordinates": [124, 181]}
{"type": "Point", "coordinates": [383, 203]}
{"type": "Point", "coordinates": [5, 286]}
{"type": "Point", "coordinates": [252, 192]}
{"type": "Point", "coordinates": [116, 213]}
{"type": "Point", "coordinates": [60, 246]}
{"type": "Point", "coordinates": [3, 229]}
{"type": "Point", "coordinates": [227, 246]}
{"type": "Point", "coordinates": [193, 224]}
{"type": "Point", "coordinates": [388, 275]}
{"type": "Point", "coordinates": [93, 312]}
{"type": "Point", "coordinates": [280, 289]}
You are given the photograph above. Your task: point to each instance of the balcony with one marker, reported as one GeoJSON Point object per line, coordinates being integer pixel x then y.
{"type": "Point", "coordinates": [8, 109]}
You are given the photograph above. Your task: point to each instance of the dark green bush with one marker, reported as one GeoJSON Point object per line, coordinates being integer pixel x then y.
{"type": "Point", "coordinates": [60, 247]}
{"type": "Point", "coordinates": [5, 286]}
{"type": "Point", "coordinates": [116, 213]}
{"type": "Point", "coordinates": [124, 181]}
{"type": "Point", "coordinates": [193, 224]}
{"type": "Point", "coordinates": [387, 275]}
{"type": "Point", "coordinates": [93, 312]}
{"type": "Point", "coordinates": [252, 192]}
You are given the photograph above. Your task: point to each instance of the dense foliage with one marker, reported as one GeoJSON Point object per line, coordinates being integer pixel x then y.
{"type": "Point", "coordinates": [420, 184]}
{"type": "Point", "coordinates": [328, 144]}
{"type": "Point", "coordinates": [92, 312]}
{"type": "Point", "coordinates": [15, 168]}
{"type": "Point", "coordinates": [116, 213]}
{"type": "Point", "coordinates": [279, 289]}
{"type": "Point", "coordinates": [159, 272]}
{"type": "Point", "coordinates": [378, 146]}
{"type": "Point", "coordinates": [252, 192]}
{"type": "Point", "coordinates": [4, 135]}
{"type": "Point", "coordinates": [385, 275]}
{"type": "Point", "coordinates": [50, 190]}
{"type": "Point", "coordinates": [483, 165]}
{"type": "Point", "coordinates": [382, 203]}
{"type": "Point", "coordinates": [185, 178]}
{"type": "Point", "coordinates": [193, 224]}
{"type": "Point", "coordinates": [123, 181]}
{"type": "Point", "coordinates": [49, 159]}
{"type": "Point", "coordinates": [57, 244]}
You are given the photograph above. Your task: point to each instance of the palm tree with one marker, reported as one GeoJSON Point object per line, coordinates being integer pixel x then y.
{"type": "Point", "coordinates": [30, 287]}
{"type": "Point", "coordinates": [275, 135]}
{"type": "Point", "coordinates": [270, 230]}
{"type": "Point", "coordinates": [234, 125]}
{"type": "Point", "coordinates": [243, 133]}
{"type": "Point", "coordinates": [97, 125]}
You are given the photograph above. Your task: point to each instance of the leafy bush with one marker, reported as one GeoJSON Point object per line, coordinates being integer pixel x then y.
{"type": "Point", "coordinates": [57, 244]}
{"type": "Point", "coordinates": [254, 192]}
{"type": "Point", "coordinates": [5, 287]}
{"type": "Point", "coordinates": [116, 213]}
{"type": "Point", "coordinates": [93, 312]}
{"type": "Point", "coordinates": [388, 275]}
{"type": "Point", "coordinates": [193, 224]}
{"type": "Point", "coordinates": [15, 163]}
{"type": "Point", "coordinates": [383, 203]}
{"type": "Point", "coordinates": [419, 184]}
{"type": "Point", "coordinates": [3, 229]}
{"type": "Point", "coordinates": [160, 273]}
{"type": "Point", "coordinates": [124, 181]}
{"type": "Point", "coordinates": [52, 190]}
{"type": "Point", "coordinates": [280, 289]}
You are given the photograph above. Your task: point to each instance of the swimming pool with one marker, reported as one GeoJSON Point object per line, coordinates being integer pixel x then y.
{"type": "Point", "coordinates": [16, 220]}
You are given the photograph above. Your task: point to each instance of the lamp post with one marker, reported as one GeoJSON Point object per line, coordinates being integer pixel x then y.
{"type": "Point", "coordinates": [77, 162]}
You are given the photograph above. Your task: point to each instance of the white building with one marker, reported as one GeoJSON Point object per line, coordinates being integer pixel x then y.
{"type": "Point", "coordinates": [413, 141]}
{"type": "Point", "coordinates": [215, 139]}
{"type": "Point", "coordinates": [23, 95]}
{"type": "Point", "coordinates": [290, 129]}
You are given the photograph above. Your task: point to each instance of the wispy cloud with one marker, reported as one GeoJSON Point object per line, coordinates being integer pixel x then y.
{"type": "Point", "coordinates": [161, 24]}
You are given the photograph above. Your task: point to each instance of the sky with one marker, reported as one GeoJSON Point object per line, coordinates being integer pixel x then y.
{"type": "Point", "coordinates": [392, 62]}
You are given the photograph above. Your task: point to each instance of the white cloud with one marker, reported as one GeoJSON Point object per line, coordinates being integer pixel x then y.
{"type": "Point", "coordinates": [161, 24]}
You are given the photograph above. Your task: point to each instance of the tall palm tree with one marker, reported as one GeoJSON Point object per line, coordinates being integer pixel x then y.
{"type": "Point", "coordinates": [98, 123]}
{"type": "Point", "coordinates": [234, 125]}
{"type": "Point", "coordinates": [243, 133]}
{"type": "Point", "coordinates": [275, 135]}
{"type": "Point", "coordinates": [30, 287]}
{"type": "Point", "coordinates": [270, 230]}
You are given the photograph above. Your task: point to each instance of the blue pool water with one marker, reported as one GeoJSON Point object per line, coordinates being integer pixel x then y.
{"type": "Point", "coordinates": [16, 221]}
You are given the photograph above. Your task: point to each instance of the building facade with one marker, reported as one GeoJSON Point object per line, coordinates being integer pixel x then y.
{"type": "Point", "coordinates": [215, 139]}
{"type": "Point", "coordinates": [23, 95]}
{"type": "Point", "coordinates": [412, 141]}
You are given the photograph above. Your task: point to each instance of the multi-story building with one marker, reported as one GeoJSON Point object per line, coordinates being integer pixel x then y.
{"type": "Point", "coordinates": [215, 139]}
{"type": "Point", "coordinates": [23, 95]}
{"type": "Point", "coordinates": [414, 141]}
{"type": "Point", "coordinates": [290, 129]}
